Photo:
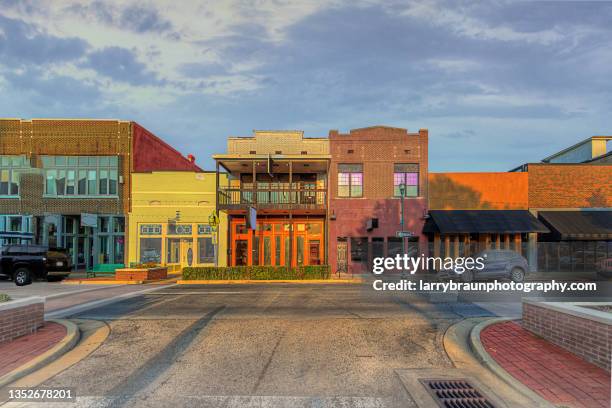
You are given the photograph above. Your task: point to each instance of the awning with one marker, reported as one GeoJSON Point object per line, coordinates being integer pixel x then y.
{"type": "Point", "coordinates": [579, 225]}
{"type": "Point", "coordinates": [482, 222]}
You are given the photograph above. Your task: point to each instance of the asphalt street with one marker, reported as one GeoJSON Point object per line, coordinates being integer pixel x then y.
{"type": "Point", "coordinates": [262, 346]}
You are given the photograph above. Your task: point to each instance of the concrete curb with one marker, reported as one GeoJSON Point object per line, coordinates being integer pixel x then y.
{"type": "Point", "coordinates": [67, 343]}
{"type": "Point", "coordinates": [245, 281]}
{"type": "Point", "coordinates": [102, 282]}
{"type": "Point", "coordinates": [488, 361]}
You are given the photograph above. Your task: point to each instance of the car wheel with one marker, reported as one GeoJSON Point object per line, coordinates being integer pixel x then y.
{"type": "Point", "coordinates": [22, 277]}
{"type": "Point", "coordinates": [517, 275]}
{"type": "Point", "coordinates": [467, 276]}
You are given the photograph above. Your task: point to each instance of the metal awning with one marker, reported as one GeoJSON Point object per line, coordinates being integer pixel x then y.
{"type": "Point", "coordinates": [482, 222]}
{"type": "Point", "coordinates": [579, 225]}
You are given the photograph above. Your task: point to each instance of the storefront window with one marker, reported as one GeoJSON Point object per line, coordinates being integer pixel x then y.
{"type": "Point", "coordinates": [119, 224]}
{"type": "Point", "coordinates": [173, 250]}
{"type": "Point", "coordinates": [394, 246]}
{"type": "Point", "coordinates": [206, 250]}
{"type": "Point", "coordinates": [104, 255]}
{"type": "Point", "coordinates": [119, 247]}
{"type": "Point", "coordinates": [150, 250]}
{"type": "Point", "coordinates": [300, 250]}
{"type": "Point", "coordinates": [277, 250]}
{"type": "Point", "coordinates": [359, 249]}
{"type": "Point", "coordinates": [378, 247]}
{"type": "Point", "coordinates": [267, 251]}
{"type": "Point", "coordinates": [255, 251]}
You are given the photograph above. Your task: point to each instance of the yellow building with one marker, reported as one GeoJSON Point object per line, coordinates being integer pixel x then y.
{"type": "Point", "coordinates": [169, 222]}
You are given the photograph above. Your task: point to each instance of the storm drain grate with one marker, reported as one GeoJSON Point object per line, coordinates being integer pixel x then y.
{"type": "Point", "coordinates": [456, 394]}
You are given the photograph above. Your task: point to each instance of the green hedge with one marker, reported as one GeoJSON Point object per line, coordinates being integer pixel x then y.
{"type": "Point", "coordinates": [256, 272]}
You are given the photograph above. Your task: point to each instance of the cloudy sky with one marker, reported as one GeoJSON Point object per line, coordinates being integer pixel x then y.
{"type": "Point", "coordinates": [496, 83]}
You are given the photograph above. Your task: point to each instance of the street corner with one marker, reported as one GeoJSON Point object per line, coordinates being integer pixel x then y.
{"type": "Point", "coordinates": [81, 337]}
{"type": "Point", "coordinates": [534, 365]}
{"type": "Point", "coordinates": [29, 353]}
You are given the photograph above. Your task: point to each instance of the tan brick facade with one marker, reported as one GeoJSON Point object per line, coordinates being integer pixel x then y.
{"type": "Point", "coordinates": [37, 137]}
{"type": "Point", "coordinates": [288, 142]}
{"type": "Point", "coordinates": [570, 186]}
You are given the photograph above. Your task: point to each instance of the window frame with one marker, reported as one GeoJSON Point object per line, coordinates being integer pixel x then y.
{"type": "Point", "coordinates": [345, 172]}
{"type": "Point", "coordinates": [10, 166]}
{"type": "Point", "coordinates": [403, 174]}
{"type": "Point", "coordinates": [63, 176]}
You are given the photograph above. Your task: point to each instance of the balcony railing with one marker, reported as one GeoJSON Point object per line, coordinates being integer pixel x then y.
{"type": "Point", "coordinates": [272, 198]}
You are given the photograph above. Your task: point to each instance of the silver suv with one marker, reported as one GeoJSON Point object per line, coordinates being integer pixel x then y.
{"type": "Point", "coordinates": [498, 264]}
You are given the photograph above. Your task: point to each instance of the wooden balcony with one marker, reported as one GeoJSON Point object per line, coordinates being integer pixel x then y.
{"type": "Point", "coordinates": [270, 198]}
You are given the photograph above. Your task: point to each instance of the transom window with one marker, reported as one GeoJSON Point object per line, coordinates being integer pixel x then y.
{"type": "Point", "coordinates": [350, 180]}
{"type": "Point", "coordinates": [150, 229]}
{"type": "Point", "coordinates": [408, 175]}
{"type": "Point", "coordinates": [9, 174]}
{"type": "Point", "coordinates": [81, 175]}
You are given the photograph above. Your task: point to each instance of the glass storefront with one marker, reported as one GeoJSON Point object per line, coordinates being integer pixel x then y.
{"type": "Point", "coordinates": [271, 243]}
{"type": "Point", "coordinates": [89, 245]}
{"type": "Point", "coordinates": [572, 256]}
{"type": "Point", "coordinates": [176, 243]}
{"type": "Point", "coordinates": [16, 229]}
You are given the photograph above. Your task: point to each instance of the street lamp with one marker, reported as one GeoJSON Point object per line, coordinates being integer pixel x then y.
{"type": "Point", "coordinates": [402, 189]}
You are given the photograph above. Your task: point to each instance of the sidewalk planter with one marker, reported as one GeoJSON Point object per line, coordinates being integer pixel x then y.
{"type": "Point", "coordinates": [21, 317]}
{"type": "Point", "coordinates": [257, 273]}
{"type": "Point", "coordinates": [578, 327]}
{"type": "Point", "coordinates": [139, 273]}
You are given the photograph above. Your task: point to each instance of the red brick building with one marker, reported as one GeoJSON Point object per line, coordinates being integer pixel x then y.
{"type": "Point", "coordinates": [367, 167]}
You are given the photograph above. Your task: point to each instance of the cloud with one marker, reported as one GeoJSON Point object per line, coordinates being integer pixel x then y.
{"type": "Point", "coordinates": [121, 65]}
{"type": "Point", "coordinates": [478, 73]}
{"type": "Point", "coordinates": [22, 43]}
{"type": "Point", "coordinates": [135, 17]}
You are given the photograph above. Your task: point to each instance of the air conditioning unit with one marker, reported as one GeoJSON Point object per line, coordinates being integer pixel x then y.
{"type": "Point", "coordinates": [371, 224]}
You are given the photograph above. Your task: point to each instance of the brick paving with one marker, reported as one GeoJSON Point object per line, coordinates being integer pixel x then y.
{"type": "Point", "coordinates": [25, 348]}
{"type": "Point", "coordinates": [557, 375]}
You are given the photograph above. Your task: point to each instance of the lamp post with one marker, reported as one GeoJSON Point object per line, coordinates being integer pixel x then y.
{"type": "Point", "coordinates": [402, 189]}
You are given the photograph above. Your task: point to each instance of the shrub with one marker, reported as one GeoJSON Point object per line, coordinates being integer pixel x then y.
{"type": "Point", "coordinates": [146, 265]}
{"type": "Point", "coordinates": [256, 272]}
{"type": "Point", "coordinates": [4, 297]}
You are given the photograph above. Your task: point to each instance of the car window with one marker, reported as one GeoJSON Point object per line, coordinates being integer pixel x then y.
{"type": "Point", "coordinates": [492, 256]}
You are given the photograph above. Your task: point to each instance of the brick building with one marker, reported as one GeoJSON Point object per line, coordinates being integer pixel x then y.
{"type": "Point", "coordinates": [275, 198]}
{"type": "Point", "coordinates": [67, 183]}
{"type": "Point", "coordinates": [471, 212]}
{"type": "Point", "coordinates": [367, 168]}
{"type": "Point", "coordinates": [575, 202]}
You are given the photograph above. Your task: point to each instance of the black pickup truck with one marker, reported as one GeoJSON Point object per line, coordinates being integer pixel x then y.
{"type": "Point", "coordinates": [23, 263]}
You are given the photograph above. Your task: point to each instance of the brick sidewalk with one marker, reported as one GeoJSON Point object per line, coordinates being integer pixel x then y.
{"type": "Point", "coordinates": [557, 375]}
{"type": "Point", "coordinates": [23, 349]}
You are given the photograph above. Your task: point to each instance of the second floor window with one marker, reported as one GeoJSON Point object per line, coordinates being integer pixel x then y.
{"type": "Point", "coordinates": [81, 175]}
{"type": "Point", "coordinates": [406, 174]}
{"type": "Point", "coordinates": [350, 180]}
{"type": "Point", "coordinates": [9, 174]}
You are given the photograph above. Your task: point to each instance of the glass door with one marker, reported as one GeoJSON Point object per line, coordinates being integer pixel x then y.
{"type": "Point", "coordinates": [241, 252]}
{"type": "Point", "coordinates": [186, 252]}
